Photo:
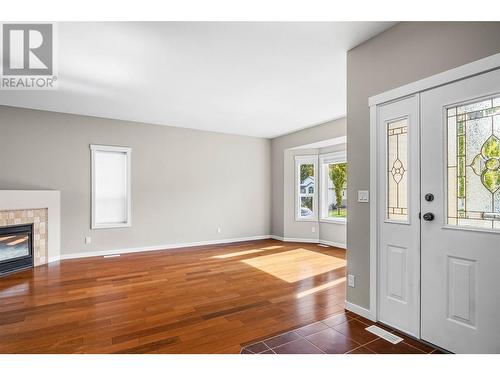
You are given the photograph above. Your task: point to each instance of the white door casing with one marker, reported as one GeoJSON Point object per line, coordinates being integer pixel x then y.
{"type": "Point", "coordinates": [399, 206]}
{"type": "Point", "coordinates": [461, 265]}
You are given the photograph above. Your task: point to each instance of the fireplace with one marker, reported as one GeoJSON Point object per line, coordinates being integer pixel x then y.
{"type": "Point", "coordinates": [16, 248]}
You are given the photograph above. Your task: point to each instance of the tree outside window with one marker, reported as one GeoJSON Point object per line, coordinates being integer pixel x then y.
{"type": "Point", "coordinates": [337, 173]}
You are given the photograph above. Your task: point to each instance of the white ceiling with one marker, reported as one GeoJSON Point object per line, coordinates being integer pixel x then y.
{"type": "Point", "coordinates": [260, 79]}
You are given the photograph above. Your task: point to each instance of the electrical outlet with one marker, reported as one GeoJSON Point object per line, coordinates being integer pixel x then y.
{"type": "Point", "coordinates": [219, 229]}
{"type": "Point", "coordinates": [88, 240]}
{"type": "Point", "coordinates": [313, 229]}
{"type": "Point", "coordinates": [350, 280]}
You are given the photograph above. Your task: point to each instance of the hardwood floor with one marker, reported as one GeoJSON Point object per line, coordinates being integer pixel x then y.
{"type": "Point", "coordinates": [210, 299]}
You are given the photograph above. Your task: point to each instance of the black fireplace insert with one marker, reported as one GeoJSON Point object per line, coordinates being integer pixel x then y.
{"type": "Point", "coordinates": [16, 248]}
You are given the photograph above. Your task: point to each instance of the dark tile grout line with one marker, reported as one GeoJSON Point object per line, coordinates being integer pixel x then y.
{"type": "Point", "coordinates": [349, 318]}
{"type": "Point", "coordinates": [267, 346]}
{"type": "Point", "coordinates": [314, 345]}
{"type": "Point", "coordinates": [361, 346]}
{"type": "Point", "coordinates": [305, 337]}
{"type": "Point", "coordinates": [300, 327]}
{"type": "Point", "coordinates": [297, 327]}
{"type": "Point", "coordinates": [280, 334]}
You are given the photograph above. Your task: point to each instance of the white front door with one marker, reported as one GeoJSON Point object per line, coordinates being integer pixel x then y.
{"type": "Point", "coordinates": [398, 210]}
{"type": "Point", "coordinates": [460, 244]}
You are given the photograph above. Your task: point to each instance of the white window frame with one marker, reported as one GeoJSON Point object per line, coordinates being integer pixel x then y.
{"type": "Point", "coordinates": [306, 159]}
{"type": "Point", "coordinates": [122, 150]}
{"type": "Point", "coordinates": [324, 160]}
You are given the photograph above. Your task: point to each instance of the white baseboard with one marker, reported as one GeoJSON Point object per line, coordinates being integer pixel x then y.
{"type": "Point", "coordinates": [365, 313]}
{"type": "Point", "coordinates": [334, 244]}
{"type": "Point", "coordinates": [158, 247]}
{"type": "Point", "coordinates": [87, 254]}
{"type": "Point", "coordinates": [303, 240]}
{"type": "Point", "coordinates": [276, 237]}
{"type": "Point", "coordinates": [309, 240]}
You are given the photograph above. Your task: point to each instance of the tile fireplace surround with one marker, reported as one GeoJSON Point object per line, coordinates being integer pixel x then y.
{"type": "Point", "coordinates": [40, 208]}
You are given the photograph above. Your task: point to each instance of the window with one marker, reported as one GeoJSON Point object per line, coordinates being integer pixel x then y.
{"type": "Point", "coordinates": [334, 187]}
{"type": "Point", "coordinates": [397, 170]}
{"type": "Point", "coordinates": [305, 177]}
{"type": "Point", "coordinates": [474, 164]}
{"type": "Point", "coordinates": [110, 186]}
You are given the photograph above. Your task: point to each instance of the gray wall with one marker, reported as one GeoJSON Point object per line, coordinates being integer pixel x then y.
{"type": "Point", "coordinates": [185, 183]}
{"type": "Point", "coordinates": [405, 53]}
{"type": "Point", "coordinates": [331, 129]}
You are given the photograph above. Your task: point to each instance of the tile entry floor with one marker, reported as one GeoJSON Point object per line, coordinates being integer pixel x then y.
{"type": "Point", "coordinates": [339, 334]}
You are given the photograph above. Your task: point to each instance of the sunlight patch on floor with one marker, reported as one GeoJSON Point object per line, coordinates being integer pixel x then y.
{"type": "Point", "coordinates": [237, 254]}
{"type": "Point", "coordinates": [319, 288]}
{"type": "Point", "coordinates": [295, 265]}
{"type": "Point", "coordinates": [274, 247]}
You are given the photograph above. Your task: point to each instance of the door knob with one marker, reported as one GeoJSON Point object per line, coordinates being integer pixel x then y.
{"type": "Point", "coordinates": [428, 216]}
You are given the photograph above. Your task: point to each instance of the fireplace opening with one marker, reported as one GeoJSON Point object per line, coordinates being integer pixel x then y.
{"type": "Point", "coordinates": [16, 248]}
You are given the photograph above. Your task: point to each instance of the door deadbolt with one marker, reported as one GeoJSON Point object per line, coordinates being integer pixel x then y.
{"type": "Point", "coordinates": [428, 216]}
{"type": "Point", "coordinates": [429, 197]}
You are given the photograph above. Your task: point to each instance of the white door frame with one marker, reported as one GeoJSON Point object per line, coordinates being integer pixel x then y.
{"type": "Point", "coordinates": [465, 71]}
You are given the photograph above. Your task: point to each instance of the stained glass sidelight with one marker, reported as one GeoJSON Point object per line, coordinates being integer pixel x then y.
{"type": "Point", "coordinates": [474, 164]}
{"type": "Point", "coordinates": [397, 172]}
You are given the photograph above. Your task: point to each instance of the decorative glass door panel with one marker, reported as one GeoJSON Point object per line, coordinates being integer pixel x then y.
{"type": "Point", "coordinates": [397, 170]}
{"type": "Point", "coordinates": [474, 164]}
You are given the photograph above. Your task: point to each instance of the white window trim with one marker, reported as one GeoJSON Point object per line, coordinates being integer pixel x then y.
{"type": "Point", "coordinates": [127, 151]}
{"type": "Point", "coordinates": [334, 157]}
{"type": "Point", "coordinates": [306, 159]}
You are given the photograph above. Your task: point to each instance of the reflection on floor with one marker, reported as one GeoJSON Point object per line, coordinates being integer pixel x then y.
{"type": "Point", "coordinates": [342, 333]}
{"type": "Point", "coordinates": [205, 299]}
{"type": "Point", "coordinates": [296, 265]}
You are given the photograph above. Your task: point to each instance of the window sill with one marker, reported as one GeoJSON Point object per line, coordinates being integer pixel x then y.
{"type": "Point", "coordinates": [313, 219]}
{"type": "Point", "coordinates": [339, 220]}
{"type": "Point", "coordinates": [111, 225]}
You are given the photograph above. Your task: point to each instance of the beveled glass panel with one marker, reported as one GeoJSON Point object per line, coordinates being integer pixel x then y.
{"type": "Point", "coordinates": [397, 170]}
{"type": "Point", "coordinates": [473, 161]}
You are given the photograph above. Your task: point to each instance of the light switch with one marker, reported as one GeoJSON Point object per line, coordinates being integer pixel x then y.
{"type": "Point", "coordinates": [363, 196]}
{"type": "Point", "coordinates": [350, 280]}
